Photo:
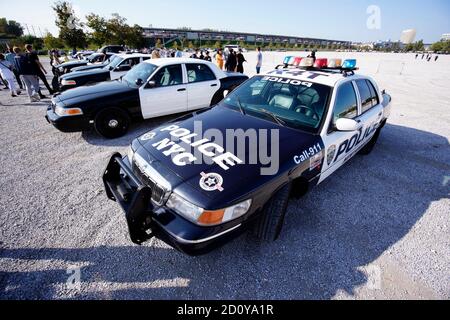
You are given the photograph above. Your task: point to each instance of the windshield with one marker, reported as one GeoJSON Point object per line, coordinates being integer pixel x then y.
{"type": "Point", "coordinates": [139, 74]}
{"type": "Point", "coordinates": [293, 103]}
{"type": "Point", "coordinates": [115, 61]}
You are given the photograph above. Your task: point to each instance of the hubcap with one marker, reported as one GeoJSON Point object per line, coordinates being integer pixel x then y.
{"type": "Point", "coordinates": [113, 124]}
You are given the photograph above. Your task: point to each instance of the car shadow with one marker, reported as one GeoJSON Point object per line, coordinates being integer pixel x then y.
{"type": "Point", "coordinates": [344, 224]}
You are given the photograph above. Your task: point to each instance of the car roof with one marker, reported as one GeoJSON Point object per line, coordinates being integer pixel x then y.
{"type": "Point", "coordinates": [161, 62]}
{"type": "Point", "coordinates": [326, 77]}
{"type": "Point", "coordinates": [133, 55]}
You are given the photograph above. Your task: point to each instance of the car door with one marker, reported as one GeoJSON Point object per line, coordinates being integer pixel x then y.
{"type": "Point", "coordinates": [202, 85]}
{"type": "Point", "coordinates": [337, 143]}
{"type": "Point", "coordinates": [371, 111]}
{"type": "Point", "coordinates": [165, 94]}
{"type": "Point", "coordinates": [125, 66]}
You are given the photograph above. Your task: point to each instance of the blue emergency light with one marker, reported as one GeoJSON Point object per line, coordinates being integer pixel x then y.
{"type": "Point", "coordinates": [287, 60]}
{"type": "Point", "coordinates": [349, 64]}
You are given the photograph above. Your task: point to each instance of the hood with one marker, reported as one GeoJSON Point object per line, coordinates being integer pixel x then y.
{"type": "Point", "coordinates": [87, 73]}
{"type": "Point", "coordinates": [238, 179]}
{"type": "Point", "coordinates": [99, 90]}
{"type": "Point", "coordinates": [73, 63]}
{"type": "Point", "coordinates": [89, 67]}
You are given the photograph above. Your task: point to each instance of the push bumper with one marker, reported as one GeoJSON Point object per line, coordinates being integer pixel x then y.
{"type": "Point", "coordinates": [66, 124]}
{"type": "Point", "coordinates": [145, 220]}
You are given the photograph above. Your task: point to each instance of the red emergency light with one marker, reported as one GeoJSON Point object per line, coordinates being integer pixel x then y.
{"type": "Point", "coordinates": [297, 61]}
{"type": "Point", "coordinates": [321, 63]}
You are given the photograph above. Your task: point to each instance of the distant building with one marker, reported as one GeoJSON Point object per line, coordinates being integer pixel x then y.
{"type": "Point", "coordinates": [446, 37]}
{"type": "Point", "coordinates": [169, 35]}
{"type": "Point", "coordinates": [408, 36]}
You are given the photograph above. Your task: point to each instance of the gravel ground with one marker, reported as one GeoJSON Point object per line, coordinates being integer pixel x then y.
{"type": "Point", "coordinates": [377, 229]}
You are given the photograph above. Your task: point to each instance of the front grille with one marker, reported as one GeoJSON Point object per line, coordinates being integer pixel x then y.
{"type": "Point", "coordinates": [159, 193]}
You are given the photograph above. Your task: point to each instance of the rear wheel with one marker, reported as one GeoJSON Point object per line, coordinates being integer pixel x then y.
{"type": "Point", "coordinates": [112, 123]}
{"type": "Point", "coordinates": [269, 226]}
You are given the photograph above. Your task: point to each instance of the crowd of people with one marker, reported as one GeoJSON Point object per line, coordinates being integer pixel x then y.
{"type": "Point", "coordinates": [228, 59]}
{"type": "Point", "coordinates": [21, 70]}
{"type": "Point", "coordinates": [25, 69]}
{"type": "Point", "coordinates": [428, 57]}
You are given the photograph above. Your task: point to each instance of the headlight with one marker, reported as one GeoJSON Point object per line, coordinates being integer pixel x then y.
{"type": "Point", "coordinates": [62, 112]}
{"type": "Point", "coordinates": [68, 82]}
{"type": "Point", "coordinates": [205, 217]}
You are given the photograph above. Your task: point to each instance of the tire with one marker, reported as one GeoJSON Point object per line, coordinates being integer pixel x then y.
{"type": "Point", "coordinates": [368, 148]}
{"type": "Point", "coordinates": [269, 225]}
{"type": "Point", "coordinates": [112, 123]}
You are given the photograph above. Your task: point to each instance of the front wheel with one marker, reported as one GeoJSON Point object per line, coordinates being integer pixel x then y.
{"type": "Point", "coordinates": [112, 123]}
{"type": "Point", "coordinates": [269, 226]}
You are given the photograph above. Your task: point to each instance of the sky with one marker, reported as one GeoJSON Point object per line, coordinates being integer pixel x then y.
{"type": "Point", "coordinates": [328, 19]}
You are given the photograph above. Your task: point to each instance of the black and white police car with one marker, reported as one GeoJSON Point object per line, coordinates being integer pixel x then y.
{"type": "Point", "coordinates": [119, 65]}
{"type": "Point", "coordinates": [96, 59]}
{"type": "Point", "coordinates": [152, 89]}
{"type": "Point", "coordinates": [196, 192]}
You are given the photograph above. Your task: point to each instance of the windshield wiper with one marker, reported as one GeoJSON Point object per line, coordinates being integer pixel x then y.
{"type": "Point", "coordinates": [273, 116]}
{"type": "Point", "coordinates": [241, 108]}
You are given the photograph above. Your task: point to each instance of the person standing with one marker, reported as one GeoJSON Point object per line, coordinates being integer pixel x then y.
{"type": "Point", "coordinates": [219, 59]}
{"type": "Point", "coordinates": [231, 63]}
{"type": "Point", "coordinates": [6, 72]}
{"type": "Point", "coordinates": [178, 53]}
{"type": "Point", "coordinates": [38, 69]}
{"type": "Point", "coordinates": [240, 62]}
{"type": "Point", "coordinates": [207, 57]}
{"type": "Point", "coordinates": [28, 75]}
{"type": "Point", "coordinates": [259, 61]}
{"type": "Point", "coordinates": [10, 58]}
{"type": "Point", "coordinates": [156, 54]}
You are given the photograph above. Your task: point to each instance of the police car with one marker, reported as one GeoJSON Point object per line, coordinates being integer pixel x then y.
{"type": "Point", "coordinates": [119, 65]}
{"type": "Point", "coordinates": [152, 89]}
{"type": "Point", "coordinates": [197, 191]}
{"type": "Point", "coordinates": [94, 59]}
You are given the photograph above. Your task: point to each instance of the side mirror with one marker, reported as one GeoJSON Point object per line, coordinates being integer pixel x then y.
{"type": "Point", "coordinates": [151, 84]}
{"type": "Point", "coordinates": [225, 93]}
{"type": "Point", "coordinates": [347, 125]}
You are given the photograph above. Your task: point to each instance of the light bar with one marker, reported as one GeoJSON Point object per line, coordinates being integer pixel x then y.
{"type": "Point", "coordinates": [307, 62]}
{"type": "Point", "coordinates": [349, 64]}
{"type": "Point", "coordinates": [287, 60]}
{"type": "Point", "coordinates": [321, 63]}
{"type": "Point", "coordinates": [334, 63]}
{"type": "Point", "coordinates": [297, 61]}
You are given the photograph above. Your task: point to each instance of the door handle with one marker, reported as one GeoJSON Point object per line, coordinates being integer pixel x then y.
{"type": "Point", "coordinates": [182, 89]}
{"type": "Point", "coordinates": [214, 85]}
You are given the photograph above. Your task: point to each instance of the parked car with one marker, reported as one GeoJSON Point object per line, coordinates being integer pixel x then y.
{"type": "Point", "coordinates": [120, 64]}
{"type": "Point", "coordinates": [112, 49]}
{"type": "Point", "coordinates": [93, 59]}
{"type": "Point", "coordinates": [153, 88]}
{"type": "Point", "coordinates": [196, 193]}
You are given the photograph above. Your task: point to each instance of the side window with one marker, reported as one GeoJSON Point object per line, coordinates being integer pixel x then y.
{"type": "Point", "coordinates": [131, 62]}
{"type": "Point", "coordinates": [346, 103]}
{"type": "Point", "coordinates": [199, 73]}
{"type": "Point", "coordinates": [366, 95]}
{"type": "Point", "coordinates": [169, 76]}
{"type": "Point", "coordinates": [373, 92]}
